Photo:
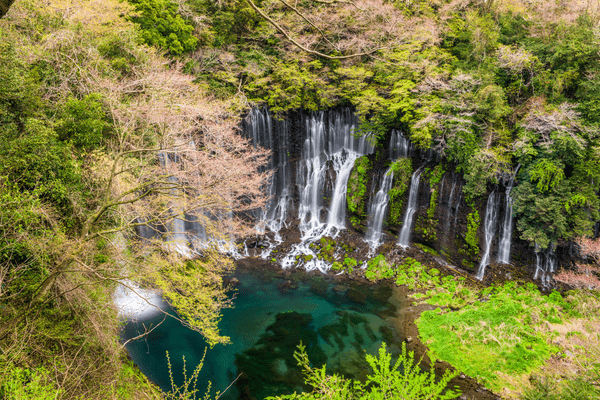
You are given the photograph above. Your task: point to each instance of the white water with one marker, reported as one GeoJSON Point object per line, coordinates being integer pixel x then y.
{"type": "Point", "coordinates": [449, 216]}
{"type": "Point", "coordinates": [328, 144]}
{"type": "Point", "coordinates": [399, 146]}
{"type": "Point", "coordinates": [410, 209]}
{"type": "Point", "coordinates": [378, 209]}
{"type": "Point", "coordinates": [545, 265]}
{"type": "Point", "coordinates": [507, 226]}
{"type": "Point", "coordinates": [491, 216]}
{"type": "Point", "coordinates": [135, 303]}
{"type": "Point", "coordinates": [273, 136]}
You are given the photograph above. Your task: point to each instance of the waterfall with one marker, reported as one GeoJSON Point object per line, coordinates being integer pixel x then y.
{"type": "Point", "coordinates": [456, 210]}
{"type": "Point", "coordinates": [441, 195]}
{"type": "Point", "coordinates": [505, 241]}
{"type": "Point", "coordinates": [273, 135]}
{"type": "Point", "coordinates": [135, 303]}
{"type": "Point", "coordinates": [175, 235]}
{"type": "Point", "coordinates": [333, 145]}
{"type": "Point", "coordinates": [545, 265]}
{"type": "Point", "coordinates": [329, 143]}
{"type": "Point", "coordinates": [449, 208]}
{"type": "Point", "coordinates": [399, 146]}
{"type": "Point", "coordinates": [377, 210]}
{"type": "Point", "coordinates": [410, 209]}
{"type": "Point", "coordinates": [491, 216]}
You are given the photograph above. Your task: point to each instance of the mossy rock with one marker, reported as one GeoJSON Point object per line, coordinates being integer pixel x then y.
{"type": "Point", "coordinates": [402, 169]}
{"type": "Point", "coordinates": [357, 190]}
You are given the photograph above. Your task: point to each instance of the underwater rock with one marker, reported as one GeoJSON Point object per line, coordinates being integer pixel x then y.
{"type": "Point", "coordinates": [356, 296]}
{"type": "Point", "coordinates": [287, 286]}
{"type": "Point", "coordinates": [339, 288]}
{"type": "Point", "coordinates": [269, 367]}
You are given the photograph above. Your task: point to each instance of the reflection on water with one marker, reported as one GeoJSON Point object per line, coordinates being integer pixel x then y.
{"type": "Point", "coordinates": [272, 314]}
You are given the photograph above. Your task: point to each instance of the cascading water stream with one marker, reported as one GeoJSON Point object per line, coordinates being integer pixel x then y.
{"type": "Point", "coordinates": [545, 265]}
{"type": "Point", "coordinates": [272, 135]}
{"type": "Point", "coordinates": [457, 208]}
{"type": "Point", "coordinates": [491, 216]}
{"type": "Point", "coordinates": [176, 236]}
{"type": "Point", "coordinates": [377, 210]}
{"type": "Point", "coordinates": [330, 144]}
{"type": "Point", "coordinates": [505, 241]}
{"type": "Point", "coordinates": [399, 146]}
{"type": "Point", "coordinates": [449, 208]}
{"type": "Point", "coordinates": [413, 196]}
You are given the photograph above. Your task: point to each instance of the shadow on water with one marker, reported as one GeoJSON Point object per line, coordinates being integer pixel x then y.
{"type": "Point", "coordinates": [338, 324]}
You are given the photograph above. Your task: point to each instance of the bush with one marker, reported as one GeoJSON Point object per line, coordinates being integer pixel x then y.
{"type": "Point", "coordinates": [403, 380]}
{"type": "Point", "coordinates": [163, 27]}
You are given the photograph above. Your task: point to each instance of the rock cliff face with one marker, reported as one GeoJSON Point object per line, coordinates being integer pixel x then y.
{"type": "Point", "coordinates": [329, 183]}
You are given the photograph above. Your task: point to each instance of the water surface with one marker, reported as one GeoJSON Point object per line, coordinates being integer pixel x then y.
{"type": "Point", "coordinates": [337, 322]}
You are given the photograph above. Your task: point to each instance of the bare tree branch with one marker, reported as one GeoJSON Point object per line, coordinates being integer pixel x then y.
{"type": "Point", "coordinates": [306, 49]}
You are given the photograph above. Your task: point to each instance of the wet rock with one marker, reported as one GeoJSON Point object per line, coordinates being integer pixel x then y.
{"type": "Point", "coordinates": [287, 286]}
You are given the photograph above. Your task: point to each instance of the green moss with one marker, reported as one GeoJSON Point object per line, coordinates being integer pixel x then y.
{"type": "Point", "coordinates": [402, 169]}
{"type": "Point", "coordinates": [471, 238]}
{"type": "Point", "coordinates": [495, 338]}
{"type": "Point", "coordinates": [427, 249]}
{"type": "Point", "coordinates": [357, 190]}
{"type": "Point", "coordinates": [425, 226]}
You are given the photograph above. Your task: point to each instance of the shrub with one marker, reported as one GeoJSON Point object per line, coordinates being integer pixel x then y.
{"type": "Point", "coordinates": [402, 380]}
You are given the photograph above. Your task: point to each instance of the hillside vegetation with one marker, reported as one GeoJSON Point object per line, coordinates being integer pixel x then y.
{"type": "Point", "coordinates": [99, 97]}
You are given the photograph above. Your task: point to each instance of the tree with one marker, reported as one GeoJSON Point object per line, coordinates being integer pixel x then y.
{"type": "Point", "coordinates": [93, 148]}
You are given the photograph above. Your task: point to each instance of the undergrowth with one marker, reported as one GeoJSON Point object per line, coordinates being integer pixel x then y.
{"type": "Point", "coordinates": [500, 332]}
{"type": "Point", "coordinates": [503, 335]}
{"type": "Point", "coordinates": [402, 380]}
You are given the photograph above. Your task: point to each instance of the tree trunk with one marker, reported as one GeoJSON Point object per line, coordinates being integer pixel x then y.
{"type": "Point", "coordinates": [5, 6]}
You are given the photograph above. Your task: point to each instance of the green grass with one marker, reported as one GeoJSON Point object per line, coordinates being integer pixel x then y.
{"type": "Point", "coordinates": [500, 333]}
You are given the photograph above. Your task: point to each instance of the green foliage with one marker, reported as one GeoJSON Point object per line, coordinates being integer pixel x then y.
{"type": "Point", "coordinates": [36, 159]}
{"type": "Point", "coordinates": [501, 333]}
{"type": "Point", "coordinates": [18, 383]}
{"type": "Point", "coordinates": [188, 390]}
{"type": "Point", "coordinates": [580, 387]}
{"type": "Point", "coordinates": [202, 278]}
{"type": "Point", "coordinates": [547, 173]}
{"type": "Point", "coordinates": [471, 37]}
{"type": "Point", "coordinates": [415, 275]}
{"type": "Point", "coordinates": [163, 27]}
{"type": "Point", "coordinates": [348, 265]}
{"type": "Point", "coordinates": [83, 123]}
{"type": "Point", "coordinates": [290, 86]}
{"type": "Point", "coordinates": [357, 187]}
{"type": "Point", "coordinates": [471, 237]}
{"type": "Point", "coordinates": [410, 273]}
{"type": "Point", "coordinates": [564, 211]}
{"type": "Point", "coordinates": [403, 379]}
{"type": "Point", "coordinates": [402, 170]}
{"type": "Point", "coordinates": [379, 268]}
{"type": "Point", "coordinates": [425, 225]}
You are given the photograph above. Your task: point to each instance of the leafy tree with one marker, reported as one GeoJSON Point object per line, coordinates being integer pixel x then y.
{"type": "Point", "coordinates": [162, 26]}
